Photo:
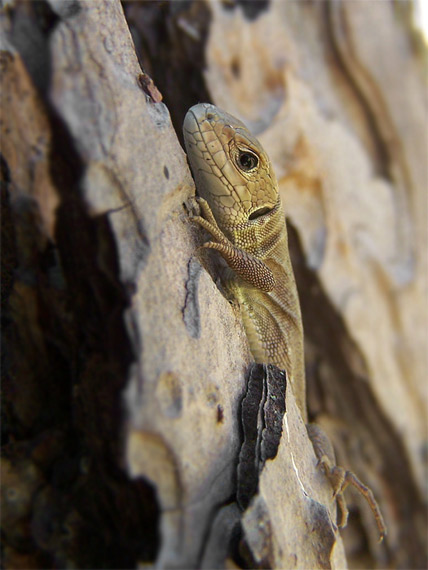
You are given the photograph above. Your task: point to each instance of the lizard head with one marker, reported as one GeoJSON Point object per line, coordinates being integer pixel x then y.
{"type": "Point", "coordinates": [231, 170]}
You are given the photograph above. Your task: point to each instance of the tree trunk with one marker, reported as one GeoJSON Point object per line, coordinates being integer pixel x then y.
{"type": "Point", "coordinates": [127, 377]}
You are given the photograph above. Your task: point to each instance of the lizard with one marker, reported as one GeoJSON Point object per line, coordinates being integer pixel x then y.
{"type": "Point", "coordinates": [241, 208]}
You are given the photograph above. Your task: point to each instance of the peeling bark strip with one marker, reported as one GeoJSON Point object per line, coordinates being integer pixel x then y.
{"type": "Point", "coordinates": [191, 313]}
{"type": "Point", "coordinates": [274, 410]}
{"type": "Point", "coordinates": [262, 412]}
{"type": "Point", "coordinates": [150, 88]}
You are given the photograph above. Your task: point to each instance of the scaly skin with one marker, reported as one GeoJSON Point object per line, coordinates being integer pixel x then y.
{"type": "Point", "coordinates": [242, 210]}
{"type": "Point", "coordinates": [256, 249]}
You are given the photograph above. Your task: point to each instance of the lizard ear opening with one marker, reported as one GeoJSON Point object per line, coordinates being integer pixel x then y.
{"type": "Point", "coordinates": [258, 213]}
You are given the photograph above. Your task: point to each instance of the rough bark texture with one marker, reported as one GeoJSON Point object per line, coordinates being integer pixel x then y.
{"type": "Point", "coordinates": [126, 373]}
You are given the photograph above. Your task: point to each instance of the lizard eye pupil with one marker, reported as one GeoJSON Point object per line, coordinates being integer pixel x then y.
{"type": "Point", "coordinates": [247, 160]}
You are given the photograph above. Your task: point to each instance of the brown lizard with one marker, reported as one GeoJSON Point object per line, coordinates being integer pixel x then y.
{"type": "Point", "coordinates": [242, 210]}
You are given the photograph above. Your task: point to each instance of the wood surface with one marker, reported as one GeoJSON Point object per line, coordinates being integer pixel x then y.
{"type": "Point", "coordinates": [124, 366]}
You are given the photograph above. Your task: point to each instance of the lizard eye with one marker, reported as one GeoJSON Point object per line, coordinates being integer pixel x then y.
{"type": "Point", "coordinates": [258, 213]}
{"type": "Point", "coordinates": [247, 160]}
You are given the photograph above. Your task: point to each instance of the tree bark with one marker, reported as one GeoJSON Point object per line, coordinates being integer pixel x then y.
{"type": "Point", "coordinates": [127, 376]}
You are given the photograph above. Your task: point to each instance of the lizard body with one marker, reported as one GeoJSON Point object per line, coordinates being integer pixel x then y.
{"type": "Point", "coordinates": [241, 209]}
{"type": "Point", "coordinates": [234, 175]}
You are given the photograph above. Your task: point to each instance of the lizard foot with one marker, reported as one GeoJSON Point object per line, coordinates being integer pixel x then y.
{"type": "Point", "coordinates": [340, 478]}
{"type": "Point", "coordinates": [250, 268]}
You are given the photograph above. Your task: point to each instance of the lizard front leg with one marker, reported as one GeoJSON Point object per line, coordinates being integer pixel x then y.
{"type": "Point", "coordinates": [247, 266]}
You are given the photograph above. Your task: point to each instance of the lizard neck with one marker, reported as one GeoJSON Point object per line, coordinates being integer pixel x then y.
{"type": "Point", "coordinates": [266, 238]}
